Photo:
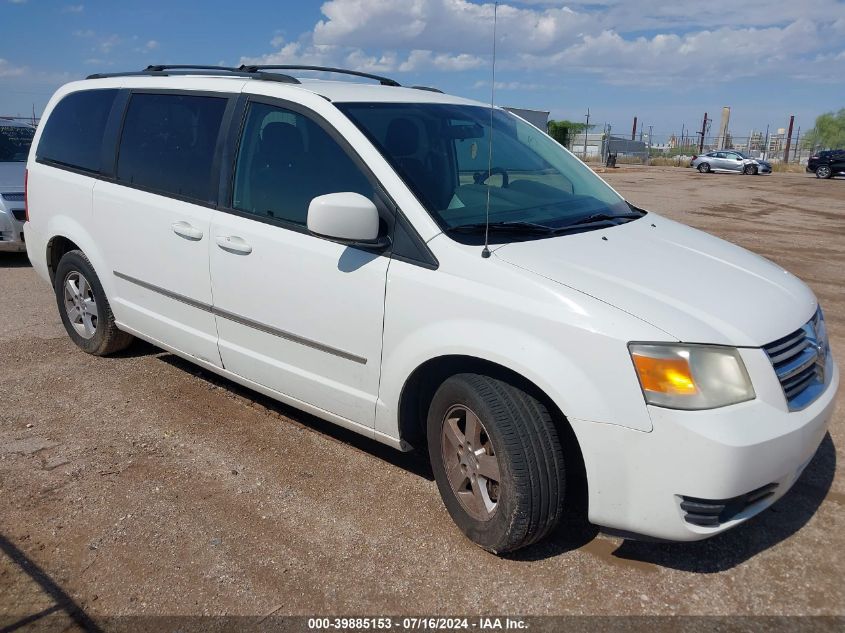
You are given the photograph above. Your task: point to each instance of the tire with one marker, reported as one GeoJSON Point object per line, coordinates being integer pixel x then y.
{"type": "Point", "coordinates": [704, 168]}
{"type": "Point", "coordinates": [527, 501]}
{"type": "Point", "coordinates": [749, 170]}
{"type": "Point", "coordinates": [824, 171]}
{"type": "Point", "coordinates": [84, 309]}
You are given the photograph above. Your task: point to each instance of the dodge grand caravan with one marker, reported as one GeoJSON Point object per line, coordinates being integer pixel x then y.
{"type": "Point", "coordinates": [359, 252]}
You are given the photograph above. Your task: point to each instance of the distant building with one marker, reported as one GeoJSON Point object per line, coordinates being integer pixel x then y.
{"type": "Point", "coordinates": [537, 118]}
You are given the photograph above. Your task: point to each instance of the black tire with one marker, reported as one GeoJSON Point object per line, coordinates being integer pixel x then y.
{"type": "Point", "coordinates": [106, 338]}
{"type": "Point", "coordinates": [704, 168]}
{"type": "Point", "coordinates": [824, 171]}
{"type": "Point", "coordinates": [530, 492]}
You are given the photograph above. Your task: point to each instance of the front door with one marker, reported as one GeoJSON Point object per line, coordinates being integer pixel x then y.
{"type": "Point", "coordinates": [295, 313]}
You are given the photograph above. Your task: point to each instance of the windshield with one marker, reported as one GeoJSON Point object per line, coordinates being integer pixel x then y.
{"type": "Point", "coordinates": [441, 151]}
{"type": "Point", "coordinates": [14, 143]}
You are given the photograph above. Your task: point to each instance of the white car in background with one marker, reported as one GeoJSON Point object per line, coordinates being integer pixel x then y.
{"type": "Point", "coordinates": [15, 140]}
{"type": "Point", "coordinates": [325, 243]}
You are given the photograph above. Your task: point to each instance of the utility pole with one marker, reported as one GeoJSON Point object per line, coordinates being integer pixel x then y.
{"type": "Point", "coordinates": [788, 139]}
{"type": "Point", "coordinates": [703, 132]}
{"type": "Point", "coordinates": [634, 130]}
{"type": "Point", "coordinates": [586, 130]}
{"type": "Point", "coordinates": [766, 144]}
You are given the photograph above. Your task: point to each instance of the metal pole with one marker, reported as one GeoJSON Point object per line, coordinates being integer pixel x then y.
{"type": "Point", "coordinates": [766, 144]}
{"type": "Point", "coordinates": [788, 139]}
{"type": "Point", "coordinates": [586, 130]}
{"type": "Point", "coordinates": [634, 130]}
{"type": "Point", "coordinates": [703, 132]}
{"type": "Point", "coordinates": [797, 145]}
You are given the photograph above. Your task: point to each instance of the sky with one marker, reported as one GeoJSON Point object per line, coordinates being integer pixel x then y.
{"type": "Point", "coordinates": [665, 61]}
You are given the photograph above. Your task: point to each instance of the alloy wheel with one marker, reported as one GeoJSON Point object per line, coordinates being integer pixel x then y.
{"type": "Point", "coordinates": [80, 304]}
{"type": "Point", "coordinates": [823, 172]}
{"type": "Point", "coordinates": [470, 461]}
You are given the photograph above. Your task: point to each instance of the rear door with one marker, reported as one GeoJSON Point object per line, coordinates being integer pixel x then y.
{"type": "Point", "coordinates": [298, 314]}
{"type": "Point", "coordinates": [153, 218]}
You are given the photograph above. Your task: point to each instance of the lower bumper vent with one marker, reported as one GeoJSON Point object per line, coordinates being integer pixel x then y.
{"type": "Point", "coordinates": [714, 512]}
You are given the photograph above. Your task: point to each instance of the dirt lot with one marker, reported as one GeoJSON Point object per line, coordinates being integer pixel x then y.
{"type": "Point", "coordinates": [141, 485]}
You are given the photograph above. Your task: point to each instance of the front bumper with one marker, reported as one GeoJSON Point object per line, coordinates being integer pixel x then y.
{"type": "Point", "coordinates": [11, 230]}
{"type": "Point", "coordinates": [659, 484]}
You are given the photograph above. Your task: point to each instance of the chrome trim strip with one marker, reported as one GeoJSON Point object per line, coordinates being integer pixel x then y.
{"type": "Point", "coordinates": [167, 293]}
{"type": "Point", "coordinates": [287, 335]}
{"type": "Point", "coordinates": [231, 316]}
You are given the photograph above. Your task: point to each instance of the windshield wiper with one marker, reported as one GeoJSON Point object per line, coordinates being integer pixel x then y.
{"type": "Point", "coordinates": [502, 227]}
{"type": "Point", "coordinates": [596, 219]}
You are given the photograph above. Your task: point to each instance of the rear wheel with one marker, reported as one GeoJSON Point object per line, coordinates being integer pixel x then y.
{"type": "Point", "coordinates": [84, 309]}
{"type": "Point", "coordinates": [823, 171]}
{"type": "Point", "coordinates": [704, 168]}
{"type": "Point", "coordinates": [497, 461]}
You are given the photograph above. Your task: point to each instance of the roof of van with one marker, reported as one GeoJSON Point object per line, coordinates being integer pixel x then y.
{"type": "Point", "coordinates": [335, 91]}
{"type": "Point", "coordinates": [351, 91]}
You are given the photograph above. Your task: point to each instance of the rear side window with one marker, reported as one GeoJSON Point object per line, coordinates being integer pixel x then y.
{"type": "Point", "coordinates": [73, 134]}
{"type": "Point", "coordinates": [168, 144]}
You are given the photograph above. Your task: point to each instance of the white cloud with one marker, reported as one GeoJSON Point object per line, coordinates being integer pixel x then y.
{"type": "Point", "coordinates": [645, 42]}
{"type": "Point", "coordinates": [74, 8]}
{"type": "Point", "coordinates": [151, 45]}
{"type": "Point", "coordinates": [7, 70]}
{"type": "Point", "coordinates": [17, 1]}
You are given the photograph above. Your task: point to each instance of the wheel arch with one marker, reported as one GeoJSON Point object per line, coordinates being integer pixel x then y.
{"type": "Point", "coordinates": [422, 383]}
{"type": "Point", "coordinates": [57, 246]}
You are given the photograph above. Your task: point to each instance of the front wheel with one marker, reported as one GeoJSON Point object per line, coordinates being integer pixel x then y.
{"type": "Point", "coordinates": [84, 309]}
{"type": "Point", "coordinates": [497, 461]}
{"type": "Point", "coordinates": [704, 168]}
{"type": "Point", "coordinates": [823, 171]}
{"type": "Point", "coordinates": [750, 170]}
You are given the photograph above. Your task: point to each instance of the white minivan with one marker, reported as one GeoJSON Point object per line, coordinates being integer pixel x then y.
{"type": "Point", "coordinates": [361, 252]}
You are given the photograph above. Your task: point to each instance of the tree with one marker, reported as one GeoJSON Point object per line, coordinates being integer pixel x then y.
{"type": "Point", "coordinates": [566, 132]}
{"type": "Point", "coordinates": [829, 131]}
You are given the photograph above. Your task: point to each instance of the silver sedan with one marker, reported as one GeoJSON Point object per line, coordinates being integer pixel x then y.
{"type": "Point", "coordinates": [730, 162]}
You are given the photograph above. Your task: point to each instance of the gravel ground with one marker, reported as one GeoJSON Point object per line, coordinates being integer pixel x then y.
{"type": "Point", "coordinates": [141, 485]}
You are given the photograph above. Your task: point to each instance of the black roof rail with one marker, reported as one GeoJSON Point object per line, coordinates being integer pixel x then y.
{"type": "Point", "coordinates": [165, 70]}
{"type": "Point", "coordinates": [428, 88]}
{"type": "Point", "coordinates": [384, 81]}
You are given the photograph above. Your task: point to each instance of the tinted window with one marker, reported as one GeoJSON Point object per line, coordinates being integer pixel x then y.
{"type": "Point", "coordinates": [73, 134]}
{"type": "Point", "coordinates": [285, 161]}
{"type": "Point", "coordinates": [168, 144]}
{"type": "Point", "coordinates": [14, 142]}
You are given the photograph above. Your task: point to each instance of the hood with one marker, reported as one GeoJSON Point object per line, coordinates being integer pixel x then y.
{"type": "Point", "coordinates": [11, 177]}
{"type": "Point", "coordinates": [693, 286]}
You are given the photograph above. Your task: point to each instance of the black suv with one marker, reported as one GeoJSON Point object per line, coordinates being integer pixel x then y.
{"type": "Point", "coordinates": [828, 163]}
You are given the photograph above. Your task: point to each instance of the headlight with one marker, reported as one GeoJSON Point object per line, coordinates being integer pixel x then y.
{"type": "Point", "coordinates": [691, 376]}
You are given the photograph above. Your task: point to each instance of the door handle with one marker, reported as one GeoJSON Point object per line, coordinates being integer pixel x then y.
{"type": "Point", "coordinates": [234, 244]}
{"type": "Point", "coordinates": [183, 229]}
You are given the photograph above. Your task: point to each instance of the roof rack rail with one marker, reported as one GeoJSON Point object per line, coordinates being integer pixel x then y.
{"type": "Point", "coordinates": [384, 81]}
{"type": "Point", "coordinates": [428, 88]}
{"type": "Point", "coordinates": [164, 70]}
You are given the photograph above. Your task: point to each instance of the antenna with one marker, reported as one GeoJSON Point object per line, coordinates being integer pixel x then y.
{"type": "Point", "coordinates": [485, 253]}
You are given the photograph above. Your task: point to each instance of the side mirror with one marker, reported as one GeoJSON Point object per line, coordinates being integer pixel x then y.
{"type": "Point", "coordinates": [346, 217]}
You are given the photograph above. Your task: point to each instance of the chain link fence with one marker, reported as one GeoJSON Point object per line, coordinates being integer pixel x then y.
{"type": "Point", "coordinates": [669, 148]}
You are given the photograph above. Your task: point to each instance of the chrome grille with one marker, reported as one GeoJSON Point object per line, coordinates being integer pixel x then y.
{"type": "Point", "coordinates": [13, 197]}
{"type": "Point", "coordinates": [799, 361]}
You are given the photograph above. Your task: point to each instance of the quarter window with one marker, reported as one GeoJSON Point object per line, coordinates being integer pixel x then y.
{"type": "Point", "coordinates": [286, 160]}
{"type": "Point", "coordinates": [73, 134]}
{"type": "Point", "coordinates": [168, 144]}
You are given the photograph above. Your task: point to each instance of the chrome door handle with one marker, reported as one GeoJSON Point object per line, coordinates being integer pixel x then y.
{"type": "Point", "coordinates": [234, 244]}
{"type": "Point", "coordinates": [183, 229]}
